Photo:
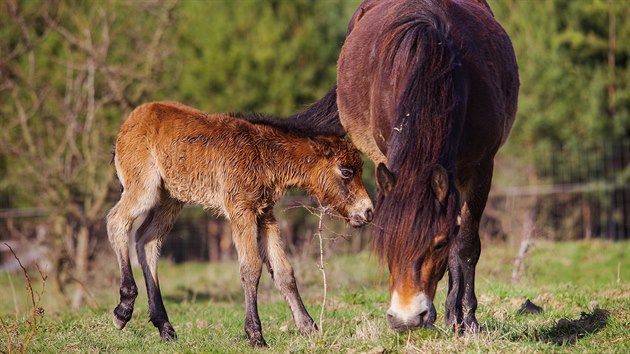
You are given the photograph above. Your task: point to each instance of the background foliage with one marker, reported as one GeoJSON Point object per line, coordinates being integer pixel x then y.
{"type": "Point", "coordinates": [71, 70]}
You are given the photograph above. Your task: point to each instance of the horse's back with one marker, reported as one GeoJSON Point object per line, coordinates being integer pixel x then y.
{"type": "Point", "coordinates": [368, 101]}
{"type": "Point", "coordinates": [180, 146]}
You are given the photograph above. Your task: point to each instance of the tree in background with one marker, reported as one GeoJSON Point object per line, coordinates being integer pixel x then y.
{"type": "Point", "coordinates": [573, 119]}
{"type": "Point", "coordinates": [265, 56]}
{"type": "Point", "coordinates": [70, 71]}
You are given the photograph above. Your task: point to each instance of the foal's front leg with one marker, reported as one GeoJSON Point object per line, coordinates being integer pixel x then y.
{"type": "Point", "coordinates": [272, 253]}
{"type": "Point", "coordinates": [245, 241]}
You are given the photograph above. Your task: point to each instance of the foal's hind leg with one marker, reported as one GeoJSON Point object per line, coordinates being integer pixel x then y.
{"type": "Point", "coordinates": [120, 221]}
{"type": "Point", "coordinates": [461, 302]}
{"type": "Point", "coordinates": [148, 240]}
{"type": "Point", "coordinates": [272, 253]}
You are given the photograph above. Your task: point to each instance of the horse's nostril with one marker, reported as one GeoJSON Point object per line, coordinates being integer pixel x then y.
{"type": "Point", "coordinates": [369, 215]}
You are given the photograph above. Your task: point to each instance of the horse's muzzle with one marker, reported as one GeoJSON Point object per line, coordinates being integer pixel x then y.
{"type": "Point", "coordinates": [358, 220]}
{"type": "Point", "coordinates": [423, 319]}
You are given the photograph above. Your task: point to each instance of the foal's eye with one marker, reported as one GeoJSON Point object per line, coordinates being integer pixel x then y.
{"type": "Point", "coordinates": [347, 173]}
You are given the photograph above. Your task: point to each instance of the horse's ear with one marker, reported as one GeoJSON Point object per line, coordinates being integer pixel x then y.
{"type": "Point", "coordinates": [439, 182]}
{"type": "Point", "coordinates": [385, 180]}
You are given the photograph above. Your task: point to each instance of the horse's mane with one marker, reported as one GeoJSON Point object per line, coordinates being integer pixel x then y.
{"type": "Point", "coordinates": [320, 118]}
{"type": "Point", "coordinates": [426, 132]}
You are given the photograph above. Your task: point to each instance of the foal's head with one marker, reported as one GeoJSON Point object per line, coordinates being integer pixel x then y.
{"type": "Point", "coordinates": [336, 181]}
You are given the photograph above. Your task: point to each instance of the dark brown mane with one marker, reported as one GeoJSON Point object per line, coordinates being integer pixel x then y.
{"type": "Point", "coordinates": [320, 118]}
{"type": "Point", "coordinates": [426, 132]}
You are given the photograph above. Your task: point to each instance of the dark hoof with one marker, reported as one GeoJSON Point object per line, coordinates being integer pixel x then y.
{"type": "Point", "coordinates": [308, 329]}
{"type": "Point", "coordinates": [258, 342]}
{"type": "Point", "coordinates": [122, 315]}
{"type": "Point", "coordinates": [468, 326]}
{"type": "Point", "coordinates": [167, 333]}
{"type": "Point", "coordinates": [471, 325]}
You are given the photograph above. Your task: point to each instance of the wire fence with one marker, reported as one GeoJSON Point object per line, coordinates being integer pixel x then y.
{"type": "Point", "coordinates": [577, 193]}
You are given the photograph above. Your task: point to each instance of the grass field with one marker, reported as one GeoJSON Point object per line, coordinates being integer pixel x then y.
{"type": "Point", "coordinates": [584, 288]}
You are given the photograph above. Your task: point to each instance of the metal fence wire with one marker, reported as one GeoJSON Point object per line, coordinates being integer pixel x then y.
{"type": "Point", "coordinates": [579, 191]}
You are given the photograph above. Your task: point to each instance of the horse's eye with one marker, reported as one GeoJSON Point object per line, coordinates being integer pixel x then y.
{"type": "Point", "coordinates": [439, 246]}
{"type": "Point", "coordinates": [347, 173]}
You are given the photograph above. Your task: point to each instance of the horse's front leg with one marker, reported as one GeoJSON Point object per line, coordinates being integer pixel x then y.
{"type": "Point", "coordinates": [245, 241]}
{"type": "Point", "coordinates": [461, 302]}
{"type": "Point", "coordinates": [272, 253]}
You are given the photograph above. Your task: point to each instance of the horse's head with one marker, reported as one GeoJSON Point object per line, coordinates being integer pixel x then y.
{"type": "Point", "coordinates": [415, 234]}
{"type": "Point", "coordinates": [336, 180]}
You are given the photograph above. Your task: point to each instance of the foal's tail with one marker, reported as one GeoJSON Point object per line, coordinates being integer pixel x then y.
{"type": "Point", "coordinates": [320, 118]}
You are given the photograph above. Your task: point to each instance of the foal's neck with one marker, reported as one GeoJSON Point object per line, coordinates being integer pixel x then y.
{"type": "Point", "coordinates": [295, 163]}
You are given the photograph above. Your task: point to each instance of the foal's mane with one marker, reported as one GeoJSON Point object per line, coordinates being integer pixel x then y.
{"type": "Point", "coordinates": [426, 132]}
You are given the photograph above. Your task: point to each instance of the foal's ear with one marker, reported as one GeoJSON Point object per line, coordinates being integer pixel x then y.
{"type": "Point", "coordinates": [385, 180]}
{"type": "Point", "coordinates": [439, 182]}
{"type": "Point", "coordinates": [323, 149]}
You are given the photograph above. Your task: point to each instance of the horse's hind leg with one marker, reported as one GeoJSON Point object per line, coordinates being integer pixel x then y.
{"type": "Point", "coordinates": [272, 253]}
{"type": "Point", "coordinates": [127, 213]}
{"type": "Point", "coordinates": [149, 237]}
{"type": "Point", "coordinates": [461, 302]}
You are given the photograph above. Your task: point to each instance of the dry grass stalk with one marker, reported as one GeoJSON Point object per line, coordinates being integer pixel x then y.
{"type": "Point", "coordinates": [11, 327]}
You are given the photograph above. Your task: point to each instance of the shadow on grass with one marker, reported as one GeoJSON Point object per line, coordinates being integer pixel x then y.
{"type": "Point", "coordinates": [567, 332]}
{"type": "Point", "coordinates": [564, 332]}
{"type": "Point", "coordinates": [183, 295]}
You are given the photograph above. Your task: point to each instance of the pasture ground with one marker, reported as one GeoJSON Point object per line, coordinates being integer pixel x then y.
{"type": "Point", "coordinates": [584, 288]}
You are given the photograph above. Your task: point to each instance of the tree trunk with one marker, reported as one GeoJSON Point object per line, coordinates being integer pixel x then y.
{"type": "Point", "coordinates": [81, 266]}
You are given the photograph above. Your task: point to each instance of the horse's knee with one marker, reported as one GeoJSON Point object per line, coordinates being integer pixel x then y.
{"type": "Point", "coordinates": [285, 279]}
{"type": "Point", "coordinates": [128, 292]}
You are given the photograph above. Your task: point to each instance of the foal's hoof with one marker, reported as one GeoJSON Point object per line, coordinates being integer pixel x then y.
{"type": "Point", "coordinates": [258, 342]}
{"type": "Point", "coordinates": [256, 339]}
{"type": "Point", "coordinates": [167, 332]}
{"type": "Point", "coordinates": [122, 315]}
{"type": "Point", "coordinates": [308, 329]}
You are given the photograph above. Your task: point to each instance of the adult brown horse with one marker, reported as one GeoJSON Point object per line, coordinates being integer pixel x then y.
{"type": "Point", "coordinates": [428, 90]}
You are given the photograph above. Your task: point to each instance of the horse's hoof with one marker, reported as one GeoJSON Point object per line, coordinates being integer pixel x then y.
{"type": "Point", "coordinates": [256, 339]}
{"type": "Point", "coordinates": [308, 329]}
{"type": "Point", "coordinates": [470, 325]}
{"type": "Point", "coordinates": [258, 342]}
{"type": "Point", "coordinates": [118, 323]}
{"type": "Point", "coordinates": [122, 315]}
{"type": "Point", "coordinates": [167, 332]}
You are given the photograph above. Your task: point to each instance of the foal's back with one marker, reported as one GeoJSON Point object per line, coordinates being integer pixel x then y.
{"type": "Point", "coordinates": [196, 156]}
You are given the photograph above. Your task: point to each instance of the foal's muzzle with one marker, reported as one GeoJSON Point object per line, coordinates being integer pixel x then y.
{"type": "Point", "coordinates": [360, 219]}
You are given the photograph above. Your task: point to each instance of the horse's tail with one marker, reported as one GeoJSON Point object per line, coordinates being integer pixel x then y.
{"type": "Point", "coordinates": [320, 118]}
{"type": "Point", "coordinates": [430, 112]}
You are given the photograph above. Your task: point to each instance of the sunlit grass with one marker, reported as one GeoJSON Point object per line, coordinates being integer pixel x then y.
{"type": "Point", "coordinates": [205, 303]}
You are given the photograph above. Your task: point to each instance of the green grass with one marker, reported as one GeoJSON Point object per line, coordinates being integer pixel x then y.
{"type": "Point", "coordinates": [571, 281]}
